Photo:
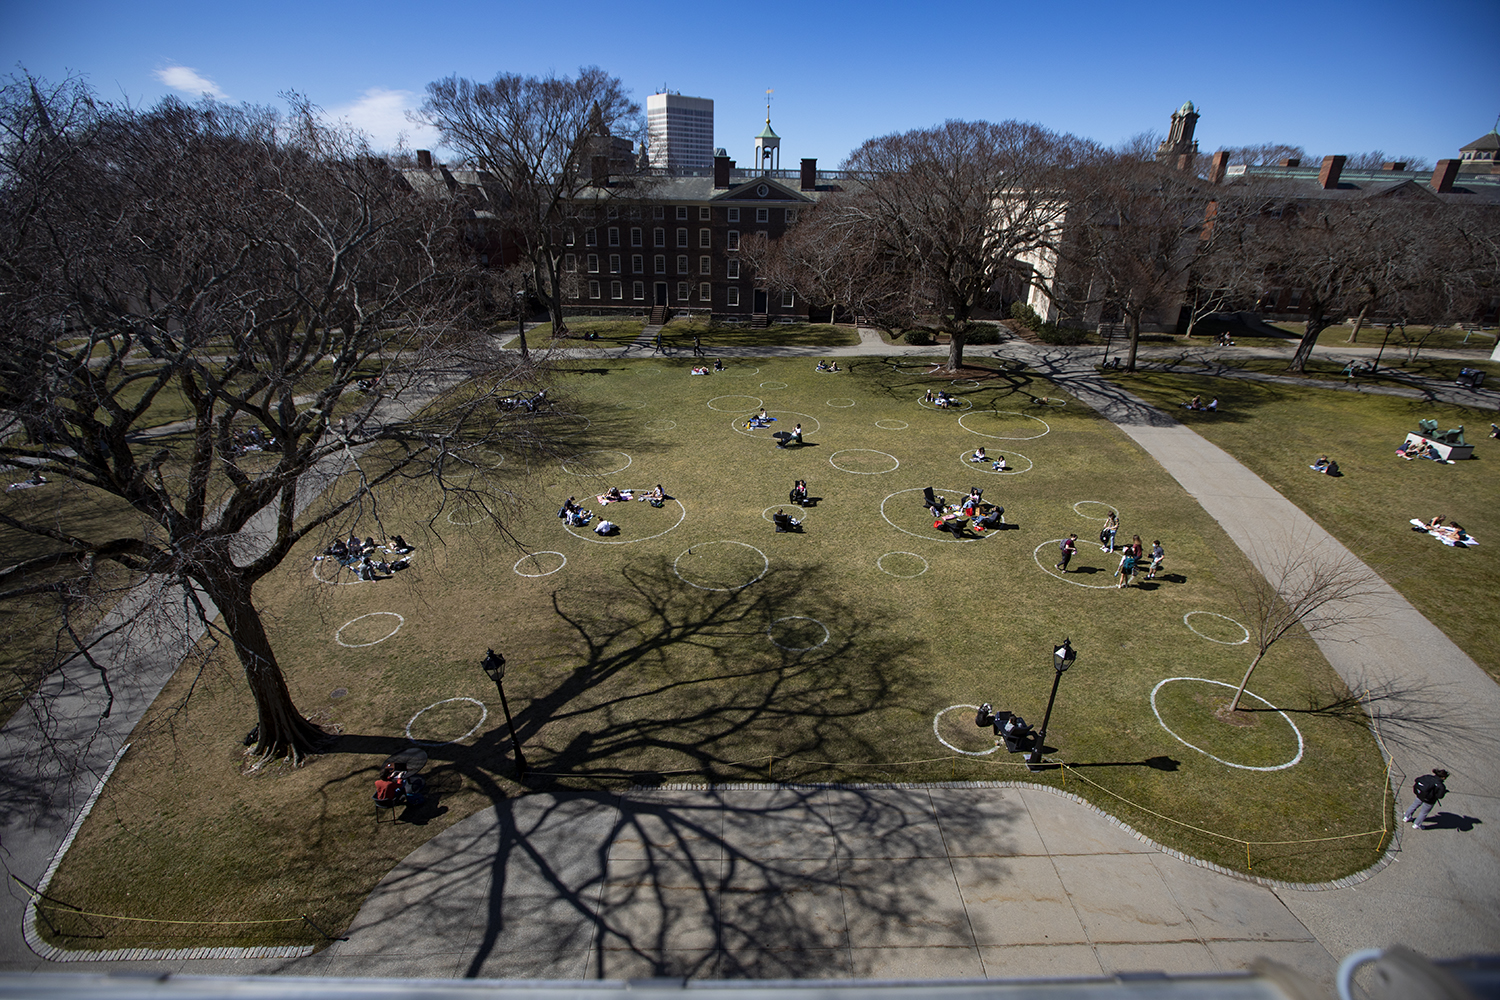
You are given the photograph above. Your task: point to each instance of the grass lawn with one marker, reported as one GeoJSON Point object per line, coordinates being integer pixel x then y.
{"type": "Point", "coordinates": [1278, 430]}
{"type": "Point", "coordinates": [699, 645]}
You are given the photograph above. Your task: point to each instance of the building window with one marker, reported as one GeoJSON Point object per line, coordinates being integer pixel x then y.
{"type": "Point", "coordinates": [614, 236]}
{"type": "Point", "coordinates": [682, 291]}
{"type": "Point", "coordinates": [705, 265]}
{"type": "Point", "coordinates": [732, 297]}
{"type": "Point", "coordinates": [787, 300]}
{"type": "Point", "coordinates": [791, 215]}
{"type": "Point", "coordinates": [637, 264]}
{"type": "Point", "coordinates": [661, 264]}
{"type": "Point", "coordinates": [734, 215]}
{"type": "Point", "coordinates": [614, 263]}
{"type": "Point", "coordinates": [682, 264]}
{"type": "Point", "coordinates": [732, 240]}
{"type": "Point", "coordinates": [682, 216]}
{"type": "Point", "coordinates": [682, 237]}
{"type": "Point", "coordinates": [616, 290]}
{"type": "Point", "coordinates": [570, 263]}
{"type": "Point", "coordinates": [658, 212]}
{"type": "Point", "coordinates": [762, 215]}
{"type": "Point", "coordinates": [732, 268]}
{"type": "Point", "coordinates": [593, 263]}
{"type": "Point", "coordinates": [638, 290]}
{"type": "Point", "coordinates": [635, 211]}
{"type": "Point", "coordinates": [612, 212]}
{"type": "Point", "coordinates": [591, 237]}
{"type": "Point", "coordinates": [635, 237]}
{"type": "Point", "coordinates": [705, 238]}
{"type": "Point", "coordinates": [703, 214]}
{"type": "Point", "coordinates": [706, 292]}
{"type": "Point", "coordinates": [569, 237]}
{"type": "Point", "coordinates": [659, 238]}
{"type": "Point", "coordinates": [593, 289]}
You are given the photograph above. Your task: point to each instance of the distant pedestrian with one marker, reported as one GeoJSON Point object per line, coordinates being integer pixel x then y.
{"type": "Point", "coordinates": [1428, 789]}
{"type": "Point", "coordinates": [697, 346]}
{"type": "Point", "coordinates": [1066, 548]}
{"type": "Point", "coordinates": [1157, 555]}
{"type": "Point", "coordinates": [658, 343]}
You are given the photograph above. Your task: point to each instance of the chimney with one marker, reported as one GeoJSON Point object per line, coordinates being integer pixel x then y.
{"type": "Point", "coordinates": [1394, 165]}
{"type": "Point", "coordinates": [1290, 162]}
{"type": "Point", "coordinates": [1217, 168]}
{"type": "Point", "coordinates": [722, 166]}
{"type": "Point", "coordinates": [424, 159]}
{"type": "Point", "coordinates": [809, 174]}
{"type": "Point", "coordinates": [599, 171]}
{"type": "Point", "coordinates": [1328, 177]}
{"type": "Point", "coordinates": [1442, 177]}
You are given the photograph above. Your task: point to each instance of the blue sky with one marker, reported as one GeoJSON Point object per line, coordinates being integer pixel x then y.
{"type": "Point", "coordinates": [1411, 80]}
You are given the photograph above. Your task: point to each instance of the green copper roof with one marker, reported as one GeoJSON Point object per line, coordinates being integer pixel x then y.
{"type": "Point", "coordinates": [766, 132]}
{"type": "Point", "coordinates": [1187, 108]}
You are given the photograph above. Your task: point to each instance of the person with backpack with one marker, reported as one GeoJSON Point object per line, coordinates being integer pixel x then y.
{"type": "Point", "coordinates": [1067, 548]}
{"type": "Point", "coordinates": [1126, 572]}
{"type": "Point", "coordinates": [1428, 789]}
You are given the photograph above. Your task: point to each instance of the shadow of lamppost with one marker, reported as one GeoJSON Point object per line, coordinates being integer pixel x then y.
{"type": "Point", "coordinates": [1062, 658]}
{"type": "Point", "coordinates": [494, 665]}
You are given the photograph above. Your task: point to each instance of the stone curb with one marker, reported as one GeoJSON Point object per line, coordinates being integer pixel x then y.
{"type": "Point", "coordinates": [1340, 883]}
{"type": "Point", "coordinates": [52, 953]}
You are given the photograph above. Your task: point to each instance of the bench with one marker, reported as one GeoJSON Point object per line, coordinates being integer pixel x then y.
{"type": "Point", "coordinates": [1451, 452]}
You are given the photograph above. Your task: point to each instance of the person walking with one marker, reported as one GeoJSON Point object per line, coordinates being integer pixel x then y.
{"type": "Point", "coordinates": [1126, 572]}
{"type": "Point", "coordinates": [1067, 548]}
{"type": "Point", "coordinates": [1107, 533]}
{"type": "Point", "coordinates": [658, 343]}
{"type": "Point", "coordinates": [1428, 789]}
{"type": "Point", "coordinates": [697, 346]}
{"type": "Point", "coordinates": [1157, 555]}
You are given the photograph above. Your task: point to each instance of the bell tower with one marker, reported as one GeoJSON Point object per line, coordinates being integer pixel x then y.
{"type": "Point", "coordinates": [1179, 148]}
{"type": "Point", "coordinates": [768, 144]}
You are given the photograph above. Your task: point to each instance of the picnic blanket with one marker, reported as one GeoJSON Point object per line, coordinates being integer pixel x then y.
{"type": "Point", "coordinates": [1444, 534]}
{"type": "Point", "coordinates": [604, 498]}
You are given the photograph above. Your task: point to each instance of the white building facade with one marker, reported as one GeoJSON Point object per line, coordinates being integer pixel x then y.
{"type": "Point", "coordinates": [680, 132]}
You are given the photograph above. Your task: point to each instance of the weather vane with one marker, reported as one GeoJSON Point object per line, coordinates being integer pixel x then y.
{"type": "Point", "coordinates": [769, 92]}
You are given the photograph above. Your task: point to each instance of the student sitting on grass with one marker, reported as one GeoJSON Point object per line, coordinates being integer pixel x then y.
{"type": "Point", "coordinates": [979, 455]}
{"type": "Point", "coordinates": [605, 527]}
{"type": "Point", "coordinates": [999, 464]}
{"type": "Point", "coordinates": [822, 366]}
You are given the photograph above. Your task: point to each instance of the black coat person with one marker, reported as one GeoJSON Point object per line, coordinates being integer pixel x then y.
{"type": "Point", "coordinates": [1429, 790]}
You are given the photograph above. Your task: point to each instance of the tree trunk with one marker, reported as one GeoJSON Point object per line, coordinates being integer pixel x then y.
{"type": "Point", "coordinates": [1234, 705]}
{"type": "Point", "coordinates": [1317, 322]}
{"type": "Point", "coordinates": [283, 730]}
{"type": "Point", "coordinates": [554, 300]}
{"type": "Point", "coordinates": [1135, 341]}
{"type": "Point", "coordinates": [1359, 321]}
{"type": "Point", "coordinates": [956, 341]}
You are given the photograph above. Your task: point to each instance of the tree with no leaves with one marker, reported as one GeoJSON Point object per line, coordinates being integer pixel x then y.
{"type": "Point", "coordinates": [540, 136]}
{"type": "Point", "coordinates": [954, 210]}
{"type": "Point", "coordinates": [260, 274]}
{"type": "Point", "coordinates": [1302, 589]}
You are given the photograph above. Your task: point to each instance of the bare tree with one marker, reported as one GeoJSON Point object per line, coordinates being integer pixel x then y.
{"type": "Point", "coordinates": [544, 138]}
{"type": "Point", "coordinates": [1303, 590]}
{"type": "Point", "coordinates": [826, 258]}
{"type": "Point", "coordinates": [1264, 154]}
{"type": "Point", "coordinates": [955, 210]}
{"type": "Point", "coordinates": [277, 279]}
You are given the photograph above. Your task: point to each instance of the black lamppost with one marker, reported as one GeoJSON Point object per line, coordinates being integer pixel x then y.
{"type": "Point", "coordinates": [1062, 658]}
{"type": "Point", "coordinates": [494, 665]}
{"type": "Point", "coordinates": [521, 318]}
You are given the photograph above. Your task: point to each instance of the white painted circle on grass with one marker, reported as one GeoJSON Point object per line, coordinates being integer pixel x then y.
{"type": "Point", "coordinates": [943, 536]}
{"type": "Point", "coordinates": [1051, 568]}
{"type": "Point", "coordinates": [1108, 508]}
{"type": "Point", "coordinates": [466, 524]}
{"type": "Point", "coordinates": [892, 425]}
{"type": "Point", "coordinates": [782, 424]}
{"type": "Point", "coordinates": [1046, 427]}
{"type": "Point", "coordinates": [986, 465]}
{"type": "Point", "coordinates": [702, 546]}
{"type": "Point", "coordinates": [1187, 620]}
{"type": "Point", "coordinates": [661, 424]}
{"type": "Point", "coordinates": [1228, 763]}
{"type": "Point", "coordinates": [965, 382]}
{"type": "Point", "coordinates": [588, 534]}
{"type": "Point", "coordinates": [579, 460]}
{"type": "Point", "coordinates": [338, 636]}
{"type": "Point", "coordinates": [484, 713]}
{"type": "Point", "coordinates": [349, 583]}
{"type": "Point", "coordinates": [967, 753]}
{"type": "Point", "coordinates": [534, 562]}
{"type": "Point", "coordinates": [631, 405]}
{"type": "Point", "coordinates": [880, 565]}
{"type": "Point", "coordinates": [958, 403]}
{"type": "Point", "coordinates": [736, 371]}
{"type": "Point", "coordinates": [854, 456]}
{"type": "Point", "coordinates": [771, 633]}
{"type": "Point", "coordinates": [648, 371]}
{"type": "Point", "coordinates": [737, 404]}
{"type": "Point", "coordinates": [773, 385]}
{"type": "Point", "coordinates": [841, 402]}
{"type": "Point", "coordinates": [800, 513]}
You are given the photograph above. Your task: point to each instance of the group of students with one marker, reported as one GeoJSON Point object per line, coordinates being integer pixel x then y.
{"type": "Point", "coordinates": [577, 517]}
{"type": "Point", "coordinates": [364, 558]}
{"type": "Point", "coordinates": [1413, 449]}
{"type": "Point", "coordinates": [942, 399]}
{"type": "Point", "coordinates": [1325, 465]}
{"type": "Point", "coordinates": [997, 463]}
{"type": "Point", "coordinates": [824, 366]}
{"type": "Point", "coordinates": [950, 518]}
{"type": "Point", "coordinates": [1131, 554]}
{"type": "Point", "coordinates": [1196, 403]}
{"type": "Point", "coordinates": [1448, 532]}
{"type": "Point", "coordinates": [251, 439]}
{"type": "Point", "coordinates": [718, 367]}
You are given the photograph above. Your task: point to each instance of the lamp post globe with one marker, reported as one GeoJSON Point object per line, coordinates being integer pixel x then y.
{"type": "Point", "coordinates": [1063, 657]}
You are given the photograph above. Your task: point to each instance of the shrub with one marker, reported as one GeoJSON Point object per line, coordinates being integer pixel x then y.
{"type": "Point", "coordinates": [1025, 315]}
{"type": "Point", "coordinates": [920, 337]}
{"type": "Point", "coordinates": [1063, 336]}
{"type": "Point", "coordinates": [984, 333]}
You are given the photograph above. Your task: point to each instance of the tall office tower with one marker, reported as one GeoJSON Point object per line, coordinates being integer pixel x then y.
{"type": "Point", "coordinates": [681, 132]}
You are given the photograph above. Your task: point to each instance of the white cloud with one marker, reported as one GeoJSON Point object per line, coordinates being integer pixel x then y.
{"type": "Point", "coordinates": [381, 114]}
{"type": "Point", "coordinates": [188, 81]}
